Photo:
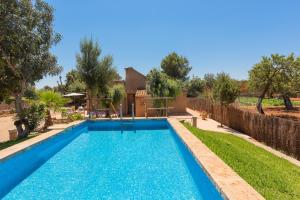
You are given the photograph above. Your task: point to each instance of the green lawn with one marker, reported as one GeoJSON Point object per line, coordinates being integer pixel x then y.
{"type": "Point", "coordinates": [271, 176]}
{"type": "Point", "coordinates": [4, 145]}
{"type": "Point", "coordinates": [251, 101]}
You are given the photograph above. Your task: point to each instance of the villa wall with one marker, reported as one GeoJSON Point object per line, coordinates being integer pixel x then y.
{"type": "Point", "coordinates": [279, 133]}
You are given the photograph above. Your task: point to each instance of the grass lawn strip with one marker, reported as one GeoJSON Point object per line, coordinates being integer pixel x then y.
{"type": "Point", "coordinates": [271, 176]}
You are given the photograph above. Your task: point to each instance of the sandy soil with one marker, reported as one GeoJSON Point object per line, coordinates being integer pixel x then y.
{"type": "Point", "coordinates": [278, 111]}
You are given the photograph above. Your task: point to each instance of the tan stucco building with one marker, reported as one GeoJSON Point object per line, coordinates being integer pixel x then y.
{"type": "Point", "coordinates": [136, 93]}
{"type": "Point", "coordinates": [138, 100]}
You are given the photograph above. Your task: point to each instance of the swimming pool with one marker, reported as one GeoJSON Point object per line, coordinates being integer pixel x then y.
{"type": "Point", "coordinates": [140, 159]}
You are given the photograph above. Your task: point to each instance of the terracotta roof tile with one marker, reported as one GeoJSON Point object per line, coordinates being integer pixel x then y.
{"type": "Point", "coordinates": [141, 93]}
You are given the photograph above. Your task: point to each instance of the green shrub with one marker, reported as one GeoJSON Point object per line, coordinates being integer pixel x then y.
{"type": "Point", "coordinates": [75, 116]}
{"type": "Point", "coordinates": [35, 114]}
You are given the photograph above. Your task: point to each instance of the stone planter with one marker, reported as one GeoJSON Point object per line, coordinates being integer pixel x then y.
{"type": "Point", "coordinates": [13, 134]}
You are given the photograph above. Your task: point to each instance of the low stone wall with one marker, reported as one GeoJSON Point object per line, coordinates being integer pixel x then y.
{"type": "Point", "coordinates": [279, 133]}
{"type": "Point", "coordinates": [6, 109]}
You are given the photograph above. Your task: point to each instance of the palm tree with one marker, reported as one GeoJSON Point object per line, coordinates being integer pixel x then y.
{"type": "Point", "coordinates": [53, 101]}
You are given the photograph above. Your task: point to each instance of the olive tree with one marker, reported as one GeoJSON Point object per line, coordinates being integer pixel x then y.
{"type": "Point", "coordinates": [26, 36]}
{"type": "Point", "coordinates": [225, 91]}
{"type": "Point", "coordinates": [276, 73]}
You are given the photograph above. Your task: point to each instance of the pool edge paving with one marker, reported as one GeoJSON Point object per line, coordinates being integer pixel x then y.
{"type": "Point", "coordinates": [12, 150]}
{"type": "Point", "coordinates": [230, 184]}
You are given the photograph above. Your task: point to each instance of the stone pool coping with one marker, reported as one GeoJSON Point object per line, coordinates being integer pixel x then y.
{"type": "Point", "coordinates": [12, 150]}
{"type": "Point", "coordinates": [228, 182]}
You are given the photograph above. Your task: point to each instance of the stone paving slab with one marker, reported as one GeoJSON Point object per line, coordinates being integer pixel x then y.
{"type": "Point", "coordinates": [229, 183]}
{"type": "Point", "coordinates": [7, 152]}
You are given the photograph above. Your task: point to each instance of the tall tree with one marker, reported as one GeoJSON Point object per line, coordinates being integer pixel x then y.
{"type": "Point", "coordinates": [96, 73]}
{"type": "Point", "coordinates": [225, 90]}
{"type": "Point", "coordinates": [160, 85]}
{"type": "Point", "coordinates": [287, 82]}
{"type": "Point", "coordinates": [88, 61]}
{"type": "Point", "coordinates": [274, 73]}
{"type": "Point", "coordinates": [176, 66]}
{"type": "Point", "coordinates": [26, 35]}
{"type": "Point", "coordinates": [74, 82]}
{"type": "Point", "coordinates": [106, 74]}
{"type": "Point", "coordinates": [117, 94]}
{"type": "Point", "coordinates": [195, 87]}
{"type": "Point", "coordinates": [209, 81]}
{"type": "Point", "coordinates": [87, 64]}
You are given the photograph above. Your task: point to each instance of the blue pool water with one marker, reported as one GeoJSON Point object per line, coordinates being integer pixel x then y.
{"type": "Point", "coordinates": [144, 159]}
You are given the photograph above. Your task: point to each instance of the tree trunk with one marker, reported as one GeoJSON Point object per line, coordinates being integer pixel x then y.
{"type": "Point", "coordinates": [259, 105]}
{"type": "Point", "coordinates": [89, 102]}
{"type": "Point", "coordinates": [18, 104]}
{"type": "Point", "coordinates": [287, 102]}
{"type": "Point", "coordinates": [261, 97]}
{"type": "Point", "coordinates": [48, 120]}
{"type": "Point", "coordinates": [19, 110]}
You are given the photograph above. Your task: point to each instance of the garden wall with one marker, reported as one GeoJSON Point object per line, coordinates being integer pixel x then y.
{"type": "Point", "coordinates": [279, 133]}
{"type": "Point", "coordinates": [6, 109]}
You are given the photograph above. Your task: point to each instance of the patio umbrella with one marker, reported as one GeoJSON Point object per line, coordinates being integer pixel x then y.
{"type": "Point", "coordinates": [73, 95]}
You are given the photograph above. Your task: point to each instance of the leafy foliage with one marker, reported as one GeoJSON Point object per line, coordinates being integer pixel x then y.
{"type": "Point", "coordinates": [176, 67]}
{"type": "Point", "coordinates": [209, 81]}
{"type": "Point", "coordinates": [75, 116]}
{"type": "Point", "coordinates": [88, 62]}
{"type": "Point", "coordinates": [117, 93]}
{"type": "Point", "coordinates": [96, 73]}
{"type": "Point", "coordinates": [106, 73]}
{"type": "Point", "coordinates": [160, 85]}
{"type": "Point", "coordinates": [26, 35]}
{"type": "Point", "coordinates": [74, 82]}
{"type": "Point", "coordinates": [52, 100]}
{"type": "Point", "coordinates": [35, 114]}
{"type": "Point", "coordinates": [195, 87]}
{"type": "Point", "coordinates": [277, 73]}
{"type": "Point", "coordinates": [225, 89]}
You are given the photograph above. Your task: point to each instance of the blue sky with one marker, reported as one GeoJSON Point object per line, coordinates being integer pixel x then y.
{"type": "Point", "coordinates": [215, 35]}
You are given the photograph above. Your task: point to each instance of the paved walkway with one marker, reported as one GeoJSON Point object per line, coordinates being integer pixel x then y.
{"type": "Point", "coordinates": [213, 125]}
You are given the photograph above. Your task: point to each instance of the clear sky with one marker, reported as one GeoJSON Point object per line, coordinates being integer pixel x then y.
{"type": "Point", "coordinates": [215, 35]}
